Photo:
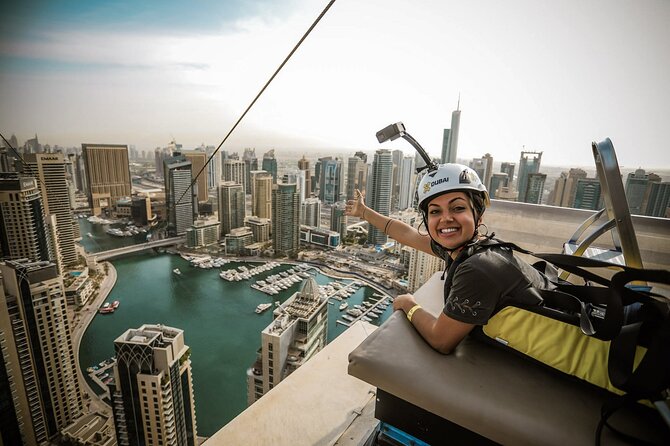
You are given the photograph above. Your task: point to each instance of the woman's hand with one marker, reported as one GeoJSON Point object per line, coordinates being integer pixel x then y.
{"type": "Point", "coordinates": [356, 207]}
{"type": "Point", "coordinates": [404, 302]}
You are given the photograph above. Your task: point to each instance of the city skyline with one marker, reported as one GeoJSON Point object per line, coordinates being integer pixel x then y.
{"type": "Point", "coordinates": [142, 75]}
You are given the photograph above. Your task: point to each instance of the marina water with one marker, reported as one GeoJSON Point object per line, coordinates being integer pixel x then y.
{"type": "Point", "coordinates": [218, 318]}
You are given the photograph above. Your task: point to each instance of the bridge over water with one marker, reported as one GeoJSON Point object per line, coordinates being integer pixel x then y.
{"type": "Point", "coordinates": [112, 253]}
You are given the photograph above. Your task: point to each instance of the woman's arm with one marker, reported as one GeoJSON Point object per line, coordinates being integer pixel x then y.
{"type": "Point", "coordinates": [399, 231]}
{"type": "Point", "coordinates": [442, 333]}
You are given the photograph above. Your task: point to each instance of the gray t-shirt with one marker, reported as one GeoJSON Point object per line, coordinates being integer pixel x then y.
{"type": "Point", "coordinates": [489, 280]}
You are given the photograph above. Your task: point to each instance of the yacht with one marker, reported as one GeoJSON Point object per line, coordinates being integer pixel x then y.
{"type": "Point", "coordinates": [262, 307]}
{"type": "Point", "coordinates": [177, 271]}
{"type": "Point", "coordinates": [343, 305]}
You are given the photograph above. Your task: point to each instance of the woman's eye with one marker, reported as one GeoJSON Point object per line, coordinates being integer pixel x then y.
{"type": "Point", "coordinates": [458, 209]}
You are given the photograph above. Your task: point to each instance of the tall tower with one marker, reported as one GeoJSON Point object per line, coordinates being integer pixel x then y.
{"type": "Point", "coordinates": [588, 194]}
{"type": "Point", "coordinates": [508, 168]}
{"type": "Point", "coordinates": [529, 163]}
{"type": "Point", "coordinates": [23, 226]}
{"type": "Point", "coordinates": [356, 175]}
{"type": "Point", "coordinates": [198, 160]}
{"type": "Point", "coordinates": [152, 393]}
{"type": "Point", "coordinates": [180, 201]}
{"type": "Point", "coordinates": [297, 333]}
{"type": "Point", "coordinates": [233, 170]}
{"type": "Point", "coordinates": [261, 194]}
{"type": "Point", "coordinates": [450, 136]}
{"type": "Point", "coordinates": [498, 180]}
{"type": "Point", "coordinates": [303, 164]}
{"type": "Point", "coordinates": [535, 187]}
{"type": "Point", "coordinates": [270, 164]}
{"type": "Point", "coordinates": [379, 198]}
{"type": "Point", "coordinates": [338, 219]}
{"type": "Point", "coordinates": [285, 219]}
{"type": "Point", "coordinates": [107, 174]}
{"type": "Point", "coordinates": [637, 190]}
{"type": "Point", "coordinates": [421, 267]}
{"type": "Point", "coordinates": [37, 351]}
{"type": "Point", "coordinates": [330, 180]}
{"type": "Point", "coordinates": [250, 164]}
{"type": "Point", "coordinates": [213, 167]}
{"type": "Point", "coordinates": [565, 187]}
{"type": "Point", "coordinates": [49, 168]}
{"type": "Point", "coordinates": [311, 212]}
{"type": "Point", "coordinates": [231, 206]}
{"type": "Point", "coordinates": [659, 199]}
{"type": "Point", "coordinates": [407, 180]}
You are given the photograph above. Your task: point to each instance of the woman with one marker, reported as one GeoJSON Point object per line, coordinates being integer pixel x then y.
{"type": "Point", "coordinates": [483, 276]}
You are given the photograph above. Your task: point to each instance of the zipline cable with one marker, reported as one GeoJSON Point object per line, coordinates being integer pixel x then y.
{"type": "Point", "coordinates": [295, 48]}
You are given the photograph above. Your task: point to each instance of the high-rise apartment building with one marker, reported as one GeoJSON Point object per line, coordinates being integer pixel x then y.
{"type": "Point", "coordinates": [407, 180]}
{"type": "Point", "coordinates": [180, 202]}
{"type": "Point", "coordinates": [396, 156]}
{"type": "Point", "coordinates": [152, 392]}
{"type": "Point", "coordinates": [260, 228]}
{"type": "Point", "coordinates": [498, 180]}
{"type": "Point", "coordinates": [231, 206]}
{"type": "Point", "coordinates": [296, 176]}
{"type": "Point", "coordinates": [588, 194]}
{"type": "Point", "coordinates": [297, 333]}
{"type": "Point", "coordinates": [285, 219]}
{"type": "Point", "coordinates": [330, 180]}
{"type": "Point", "coordinates": [535, 187]}
{"type": "Point", "coordinates": [484, 168]}
{"type": "Point", "coordinates": [338, 219]}
{"type": "Point", "coordinates": [450, 137]}
{"type": "Point", "coordinates": [270, 164]}
{"type": "Point", "coordinates": [203, 232]}
{"type": "Point", "coordinates": [23, 225]}
{"type": "Point", "coordinates": [261, 194]}
{"type": "Point", "coordinates": [37, 354]}
{"type": "Point", "coordinates": [49, 170]}
{"type": "Point", "coordinates": [637, 190]}
{"type": "Point", "coordinates": [311, 212]}
{"type": "Point", "coordinates": [198, 160]}
{"type": "Point", "coordinates": [565, 188]}
{"type": "Point", "coordinates": [659, 200]}
{"type": "Point", "coordinates": [107, 174]}
{"type": "Point", "coordinates": [213, 167]}
{"type": "Point", "coordinates": [379, 196]}
{"type": "Point", "coordinates": [162, 153]}
{"type": "Point", "coordinates": [357, 173]}
{"type": "Point", "coordinates": [508, 168]}
{"type": "Point", "coordinates": [233, 170]}
{"type": "Point", "coordinates": [528, 163]}
{"type": "Point", "coordinates": [250, 164]}
{"type": "Point", "coordinates": [303, 164]}
{"type": "Point", "coordinates": [421, 267]}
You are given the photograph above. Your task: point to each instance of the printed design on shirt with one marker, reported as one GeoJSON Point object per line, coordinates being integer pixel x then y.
{"type": "Point", "coordinates": [455, 303]}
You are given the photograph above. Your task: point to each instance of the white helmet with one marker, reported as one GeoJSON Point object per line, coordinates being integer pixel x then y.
{"type": "Point", "coordinates": [450, 178]}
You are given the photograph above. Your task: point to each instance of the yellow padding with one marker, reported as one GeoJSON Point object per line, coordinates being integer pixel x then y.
{"type": "Point", "coordinates": [555, 343]}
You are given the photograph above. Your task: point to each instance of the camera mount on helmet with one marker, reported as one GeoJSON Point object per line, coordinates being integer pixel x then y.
{"type": "Point", "coordinates": [397, 130]}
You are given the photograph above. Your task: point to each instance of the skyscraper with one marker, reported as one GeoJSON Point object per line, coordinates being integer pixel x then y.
{"type": "Point", "coordinates": [261, 194]}
{"type": "Point", "coordinates": [588, 194]}
{"type": "Point", "coordinates": [180, 201]}
{"type": "Point", "coordinates": [303, 164]}
{"type": "Point", "coordinates": [637, 189]}
{"type": "Point", "coordinates": [233, 170]}
{"type": "Point", "coordinates": [508, 168]}
{"type": "Point", "coordinates": [421, 267]}
{"type": "Point", "coordinates": [379, 197]}
{"type": "Point", "coordinates": [107, 174]}
{"type": "Point", "coordinates": [285, 219]}
{"type": "Point", "coordinates": [311, 213]}
{"type": "Point", "coordinates": [498, 180]}
{"type": "Point", "coordinates": [565, 187]}
{"type": "Point", "coordinates": [659, 200]}
{"type": "Point", "coordinates": [397, 156]}
{"type": "Point", "coordinates": [450, 137]}
{"type": "Point", "coordinates": [49, 169]}
{"type": "Point", "coordinates": [270, 164]}
{"type": "Point", "coordinates": [357, 173]}
{"type": "Point", "coordinates": [330, 180]}
{"type": "Point", "coordinates": [250, 164]}
{"type": "Point", "coordinates": [152, 392]}
{"type": "Point", "coordinates": [407, 181]}
{"type": "Point", "coordinates": [198, 160]}
{"type": "Point", "coordinates": [37, 352]}
{"type": "Point", "coordinates": [529, 163]}
{"type": "Point", "coordinates": [23, 226]}
{"type": "Point", "coordinates": [535, 187]}
{"type": "Point", "coordinates": [338, 219]}
{"type": "Point", "coordinates": [213, 167]}
{"type": "Point", "coordinates": [297, 333]}
{"type": "Point", "coordinates": [231, 206]}
{"type": "Point", "coordinates": [484, 168]}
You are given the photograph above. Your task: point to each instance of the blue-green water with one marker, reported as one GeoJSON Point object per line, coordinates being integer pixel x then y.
{"type": "Point", "coordinates": [217, 317]}
{"type": "Point", "coordinates": [99, 240]}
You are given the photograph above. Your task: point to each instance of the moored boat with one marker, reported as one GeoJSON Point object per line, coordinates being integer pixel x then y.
{"type": "Point", "coordinates": [262, 307]}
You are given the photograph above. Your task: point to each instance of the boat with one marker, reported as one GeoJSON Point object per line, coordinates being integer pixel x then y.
{"type": "Point", "coordinates": [343, 305]}
{"type": "Point", "coordinates": [115, 304]}
{"type": "Point", "coordinates": [262, 307]}
{"type": "Point", "coordinates": [106, 308]}
{"type": "Point", "coordinates": [89, 234]}
{"type": "Point", "coordinates": [346, 317]}
{"type": "Point", "coordinates": [177, 271]}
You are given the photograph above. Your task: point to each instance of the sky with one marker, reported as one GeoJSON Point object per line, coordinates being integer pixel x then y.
{"type": "Point", "coordinates": [535, 75]}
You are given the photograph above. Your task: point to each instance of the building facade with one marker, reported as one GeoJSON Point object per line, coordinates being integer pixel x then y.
{"type": "Point", "coordinates": [204, 232]}
{"type": "Point", "coordinates": [198, 161]}
{"type": "Point", "coordinates": [330, 180]}
{"type": "Point", "coordinates": [180, 200]}
{"type": "Point", "coordinates": [311, 212]}
{"type": "Point", "coordinates": [298, 332]}
{"type": "Point", "coordinates": [152, 391]}
{"type": "Point", "coordinates": [528, 163]}
{"type": "Point", "coordinates": [285, 219]}
{"type": "Point", "coordinates": [234, 170]}
{"type": "Point", "coordinates": [421, 267]}
{"type": "Point", "coordinates": [231, 206]}
{"type": "Point", "coordinates": [37, 353]}
{"type": "Point", "coordinates": [107, 174]}
{"type": "Point", "coordinates": [261, 194]}
{"type": "Point", "coordinates": [379, 197]}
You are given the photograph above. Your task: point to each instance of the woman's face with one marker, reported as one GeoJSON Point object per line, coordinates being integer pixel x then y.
{"type": "Point", "coordinates": [450, 219]}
